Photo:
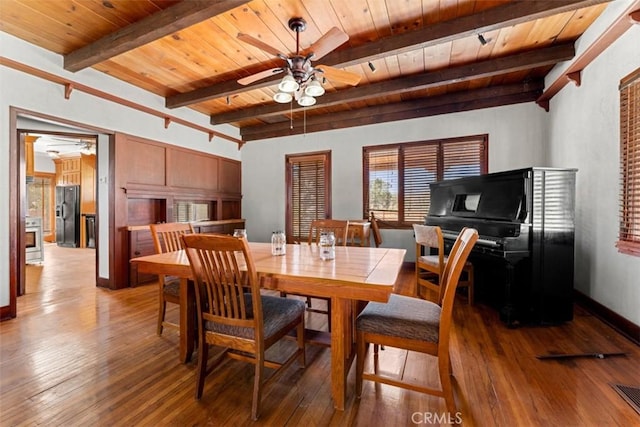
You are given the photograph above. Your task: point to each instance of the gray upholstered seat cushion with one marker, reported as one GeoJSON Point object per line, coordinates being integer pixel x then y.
{"type": "Point", "coordinates": [277, 312]}
{"type": "Point", "coordinates": [403, 317]}
{"type": "Point", "coordinates": [172, 287]}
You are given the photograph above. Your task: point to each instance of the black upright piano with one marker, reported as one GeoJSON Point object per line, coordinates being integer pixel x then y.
{"type": "Point", "coordinates": [523, 259]}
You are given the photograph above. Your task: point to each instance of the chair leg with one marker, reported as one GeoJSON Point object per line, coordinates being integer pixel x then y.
{"type": "Point", "coordinates": [257, 386]}
{"type": "Point", "coordinates": [444, 368]}
{"type": "Point", "coordinates": [201, 370]}
{"type": "Point", "coordinates": [470, 287]}
{"type": "Point", "coordinates": [361, 351]}
{"type": "Point", "coordinates": [161, 310]}
{"type": "Point", "coordinates": [300, 336]}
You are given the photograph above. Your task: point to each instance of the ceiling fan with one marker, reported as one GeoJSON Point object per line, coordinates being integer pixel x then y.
{"type": "Point", "coordinates": [302, 80]}
{"type": "Point", "coordinates": [84, 145]}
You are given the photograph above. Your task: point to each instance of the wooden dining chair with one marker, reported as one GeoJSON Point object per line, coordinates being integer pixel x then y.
{"type": "Point", "coordinates": [245, 324]}
{"type": "Point", "coordinates": [430, 268]}
{"type": "Point", "coordinates": [166, 238]}
{"type": "Point", "coordinates": [375, 230]}
{"type": "Point", "coordinates": [414, 324]}
{"type": "Point", "coordinates": [340, 229]}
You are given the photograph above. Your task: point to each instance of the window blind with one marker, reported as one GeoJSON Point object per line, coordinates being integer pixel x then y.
{"type": "Point", "coordinates": [383, 183]}
{"type": "Point", "coordinates": [629, 233]}
{"type": "Point", "coordinates": [420, 168]}
{"type": "Point", "coordinates": [307, 184]}
{"type": "Point", "coordinates": [396, 177]}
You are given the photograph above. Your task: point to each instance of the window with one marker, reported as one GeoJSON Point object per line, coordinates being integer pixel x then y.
{"type": "Point", "coordinates": [308, 192]}
{"type": "Point", "coordinates": [629, 234]}
{"type": "Point", "coordinates": [396, 177]}
{"type": "Point", "coordinates": [187, 211]}
{"type": "Point", "coordinates": [40, 194]}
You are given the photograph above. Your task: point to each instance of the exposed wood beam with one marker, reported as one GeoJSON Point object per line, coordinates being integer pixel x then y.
{"type": "Point", "coordinates": [450, 103]}
{"type": "Point", "coordinates": [160, 24]}
{"type": "Point", "coordinates": [492, 19]}
{"type": "Point", "coordinates": [606, 39]}
{"type": "Point", "coordinates": [536, 58]}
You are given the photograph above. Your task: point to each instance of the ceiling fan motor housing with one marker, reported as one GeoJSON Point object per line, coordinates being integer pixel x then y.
{"type": "Point", "coordinates": [301, 69]}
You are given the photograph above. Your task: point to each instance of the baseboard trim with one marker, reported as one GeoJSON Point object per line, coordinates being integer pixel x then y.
{"type": "Point", "coordinates": [103, 283]}
{"type": "Point", "coordinates": [611, 318]}
{"type": "Point", "coordinates": [6, 313]}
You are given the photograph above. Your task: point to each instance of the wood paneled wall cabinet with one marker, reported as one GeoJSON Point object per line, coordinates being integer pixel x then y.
{"type": "Point", "coordinates": [155, 182]}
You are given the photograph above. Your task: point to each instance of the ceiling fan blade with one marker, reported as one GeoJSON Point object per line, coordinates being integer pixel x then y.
{"type": "Point", "coordinates": [259, 44]}
{"type": "Point", "coordinates": [259, 76]}
{"type": "Point", "coordinates": [339, 75]}
{"type": "Point", "coordinates": [328, 42]}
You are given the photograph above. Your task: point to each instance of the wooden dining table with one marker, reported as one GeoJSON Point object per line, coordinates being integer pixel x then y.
{"type": "Point", "coordinates": [356, 274]}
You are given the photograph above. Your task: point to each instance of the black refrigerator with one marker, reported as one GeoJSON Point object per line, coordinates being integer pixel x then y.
{"type": "Point", "coordinates": [68, 215]}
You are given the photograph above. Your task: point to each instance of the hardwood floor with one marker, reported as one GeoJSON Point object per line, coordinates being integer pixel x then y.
{"type": "Point", "coordinates": [78, 355]}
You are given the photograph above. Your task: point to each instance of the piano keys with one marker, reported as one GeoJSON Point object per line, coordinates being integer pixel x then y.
{"type": "Point", "coordinates": [524, 258]}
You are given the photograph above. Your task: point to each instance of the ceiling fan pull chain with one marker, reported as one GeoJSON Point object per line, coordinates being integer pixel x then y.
{"type": "Point", "coordinates": [291, 114]}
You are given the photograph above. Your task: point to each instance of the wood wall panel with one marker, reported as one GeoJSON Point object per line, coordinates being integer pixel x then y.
{"type": "Point", "coordinates": [145, 163]}
{"type": "Point", "coordinates": [192, 170]}
{"type": "Point", "coordinates": [230, 173]}
{"type": "Point", "coordinates": [142, 212]}
{"type": "Point", "coordinates": [148, 176]}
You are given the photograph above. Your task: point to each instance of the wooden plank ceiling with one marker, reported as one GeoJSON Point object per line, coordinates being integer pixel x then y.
{"type": "Point", "coordinates": [427, 54]}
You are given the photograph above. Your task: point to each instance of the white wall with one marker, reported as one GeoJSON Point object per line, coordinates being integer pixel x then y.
{"type": "Point", "coordinates": [24, 91]}
{"type": "Point", "coordinates": [43, 163]}
{"type": "Point", "coordinates": [516, 135]}
{"type": "Point", "coordinates": [584, 133]}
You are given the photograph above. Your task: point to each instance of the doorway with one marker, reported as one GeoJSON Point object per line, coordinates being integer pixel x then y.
{"type": "Point", "coordinates": [21, 122]}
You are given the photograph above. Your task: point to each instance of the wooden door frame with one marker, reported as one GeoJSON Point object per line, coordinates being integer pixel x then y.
{"type": "Point", "coordinates": [17, 196]}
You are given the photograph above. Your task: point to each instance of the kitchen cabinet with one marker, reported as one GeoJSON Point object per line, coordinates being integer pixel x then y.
{"type": "Point", "coordinates": [29, 155]}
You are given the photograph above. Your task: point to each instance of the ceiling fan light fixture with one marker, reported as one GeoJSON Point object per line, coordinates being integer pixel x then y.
{"type": "Point", "coordinates": [288, 84]}
{"type": "Point", "coordinates": [314, 88]}
{"type": "Point", "coordinates": [306, 101]}
{"type": "Point", "coordinates": [282, 97]}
